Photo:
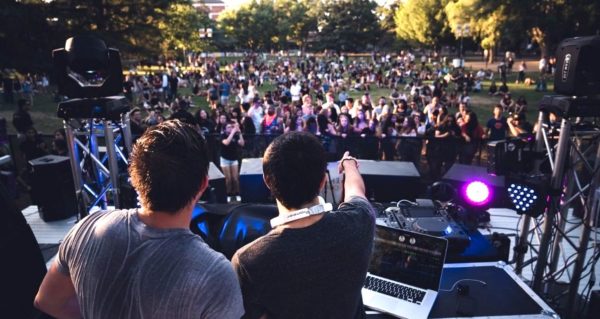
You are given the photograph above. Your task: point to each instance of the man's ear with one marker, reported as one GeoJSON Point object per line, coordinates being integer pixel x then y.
{"type": "Point", "coordinates": [266, 180]}
{"type": "Point", "coordinates": [203, 187]}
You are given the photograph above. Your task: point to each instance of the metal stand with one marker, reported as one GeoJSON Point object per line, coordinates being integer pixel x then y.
{"type": "Point", "coordinates": [570, 162]}
{"type": "Point", "coordinates": [95, 174]}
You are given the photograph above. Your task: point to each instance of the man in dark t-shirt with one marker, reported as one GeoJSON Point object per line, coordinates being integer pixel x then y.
{"type": "Point", "coordinates": [313, 263]}
{"type": "Point", "coordinates": [497, 125]}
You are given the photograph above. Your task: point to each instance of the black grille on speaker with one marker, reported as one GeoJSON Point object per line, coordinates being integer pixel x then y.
{"type": "Point", "coordinates": [578, 67]}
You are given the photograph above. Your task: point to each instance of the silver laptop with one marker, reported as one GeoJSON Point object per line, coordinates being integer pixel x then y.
{"type": "Point", "coordinates": [404, 272]}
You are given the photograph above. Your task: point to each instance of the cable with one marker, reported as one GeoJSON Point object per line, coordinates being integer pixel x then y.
{"type": "Point", "coordinates": [406, 201]}
{"type": "Point", "coordinates": [466, 279]}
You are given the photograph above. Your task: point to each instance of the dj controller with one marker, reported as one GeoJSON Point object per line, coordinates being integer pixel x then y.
{"type": "Point", "coordinates": [424, 216]}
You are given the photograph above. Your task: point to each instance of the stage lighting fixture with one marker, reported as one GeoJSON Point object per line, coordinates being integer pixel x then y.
{"type": "Point", "coordinates": [528, 194]}
{"type": "Point", "coordinates": [477, 193]}
{"type": "Point", "coordinates": [87, 68]}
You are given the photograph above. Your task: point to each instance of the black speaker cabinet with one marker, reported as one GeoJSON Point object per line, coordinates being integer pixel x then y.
{"type": "Point", "coordinates": [216, 192]}
{"type": "Point", "coordinates": [252, 185]}
{"type": "Point", "coordinates": [578, 67]}
{"type": "Point", "coordinates": [52, 187]}
{"type": "Point", "coordinates": [387, 181]}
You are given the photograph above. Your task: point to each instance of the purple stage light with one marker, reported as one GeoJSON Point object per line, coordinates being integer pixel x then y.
{"type": "Point", "coordinates": [477, 193]}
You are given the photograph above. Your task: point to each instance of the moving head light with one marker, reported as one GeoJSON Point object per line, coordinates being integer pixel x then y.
{"type": "Point", "coordinates": [87, 68]}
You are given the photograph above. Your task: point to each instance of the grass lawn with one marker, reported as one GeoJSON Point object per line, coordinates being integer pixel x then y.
{"type": "Point", "coordinates": [44, 116]}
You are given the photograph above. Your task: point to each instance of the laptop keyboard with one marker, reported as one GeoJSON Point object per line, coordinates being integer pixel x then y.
{"type": "Point", "coordinates": [395, 290]}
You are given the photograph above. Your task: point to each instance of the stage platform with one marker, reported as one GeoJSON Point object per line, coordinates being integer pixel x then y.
{"type": "Point", "coordinates": [503, 221]}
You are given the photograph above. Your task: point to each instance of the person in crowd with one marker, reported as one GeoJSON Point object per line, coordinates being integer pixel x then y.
{"type": "Point", "coordinates": [463, 108]}
{"type": "Point", "coordinates": [59, 147]}
{"type": "Point", "coordinates": [329, 249]}
{"type": "Point", "coordinates": [493, 90]}
{"type": "Point", "coordinates": [345, 128]}
{"type": "Point", "coordinates": [271, 123]}
{"type": "Point", "coordinates": [308, 110]}
{"type": "Point", "coordinates": [503, 89]}
{"type": "Point", "coordinates": [508, 104]}
{"type": "Point", "coordinates": [521, 105]}
{"type": "Point", "coordinates": [522, 70]}
{"type": "Point", "coordinates": [518, 125]}
{"type": "Point", "coordinates": [256, 113]}
{"type": "Point", "coordinates": [21, 118]}
{"type": "Point", "coordinates": [361, 124]}
{"type": "Point", "coordinates": [178, 113]}
{"type": "Point", "coordinates": [113, 264]}
{"type": "Point", "coordinates": [33, 146]}
{"type": "Point", "coordinates": [334, 109]}
{"type": "Point", "coordinates": [496, 126]}
{"type": "Point", "coordinates": [136, 124]}
{"type": "Point", "coordinates": [232, 142]}
{"type": "Point", "coordinates": [224, 91]}
{"type": "Point", "coordinates": [409, 148]}
{"type": "Point", "coordinates": [207, 126]}
{"type": "Point", "coordinates": [294, 124]}
{"type": "Point", "coordinates": [472, 134]}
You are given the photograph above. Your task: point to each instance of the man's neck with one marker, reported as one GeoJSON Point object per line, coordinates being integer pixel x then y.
{"type": "Point", "coordinates": [299, 223]}
{"type": "Point", "coordinates": [166, 220]}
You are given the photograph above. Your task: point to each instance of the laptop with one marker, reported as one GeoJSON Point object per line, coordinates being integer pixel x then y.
{"type": "Point", "coordinates": [404, 272]}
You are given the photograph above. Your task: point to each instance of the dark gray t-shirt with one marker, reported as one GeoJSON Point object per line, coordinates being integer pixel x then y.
{"type": "Point", "coordinates": [312, 272]}
{"type": "Point", "coordinates": [122, 268]}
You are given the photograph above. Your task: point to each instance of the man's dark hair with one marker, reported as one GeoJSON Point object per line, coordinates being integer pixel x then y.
{"type": "Point", "coordinates": [294, 166]}
{"type": "Point", "coordinates": [168, 165]}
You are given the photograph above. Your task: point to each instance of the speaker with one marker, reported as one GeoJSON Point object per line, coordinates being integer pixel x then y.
{"type": "Point", "coordinates": [216, 191]}
{"type": "Point", "coordinates": [578, 67]}
{"type": "Point", "coordinates": [252, 185]}
{"type": "Point", "coordinates": [52, 188]}
{"type": "Point", "coordinates": [387, 181]}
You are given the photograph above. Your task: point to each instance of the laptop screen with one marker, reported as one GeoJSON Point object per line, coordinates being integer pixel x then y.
{"type": "Point", "coordinates": [407, 257]}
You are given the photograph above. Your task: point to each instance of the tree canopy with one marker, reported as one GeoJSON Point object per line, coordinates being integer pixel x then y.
{"type": "Point", "coordinates": [145, 29]}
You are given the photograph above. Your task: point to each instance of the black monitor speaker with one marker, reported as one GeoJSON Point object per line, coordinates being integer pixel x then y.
{"type": "Point", "coordinates": [387, 181]}
{"type": "Point", "coordinates": [52, 188]}
{"type": "Point", "coordinates": [216, 191]}
{"type": "Point", "coordinates": [578, 67]}
{"type": "Point", "coordinates": [252, 185]}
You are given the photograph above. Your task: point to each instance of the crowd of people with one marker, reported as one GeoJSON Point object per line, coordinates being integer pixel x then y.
{"type": "Point", "coordinates": [425, 116]}
{"type": "Point", "coordinates": [250, 101]}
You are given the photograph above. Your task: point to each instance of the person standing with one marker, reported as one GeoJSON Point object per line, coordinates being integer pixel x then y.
{"type": "Point", "coordinates": [313, 263]}
{"type": "Point", "coordinates": [232, 142]}
{"type": "Point", "coordinates": [146, 263]}
{"type": "Point", "coordinates": [497, 125]}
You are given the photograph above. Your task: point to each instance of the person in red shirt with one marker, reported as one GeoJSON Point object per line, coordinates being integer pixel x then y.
{"type": "Point", "coordinates": [472, 133]}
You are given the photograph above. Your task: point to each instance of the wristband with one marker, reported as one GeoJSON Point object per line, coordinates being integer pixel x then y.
{"type": "Point", "coordinates": [348, 159]}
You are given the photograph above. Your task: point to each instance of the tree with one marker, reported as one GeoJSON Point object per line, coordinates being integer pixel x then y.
{"type": "Point", "coordinates": [486, 19]}
{"type": "Point", "coordinates": [550, 21]}
{"type": "Point", "coordinates": [180, 27]}
{"type": "Point", "coordinates": [348, 25]}
{"type": "Point", "coordinates": [421, 22]}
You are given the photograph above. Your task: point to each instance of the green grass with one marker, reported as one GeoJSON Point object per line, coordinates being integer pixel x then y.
{"type": "Point", "coordinates": [44, 116]}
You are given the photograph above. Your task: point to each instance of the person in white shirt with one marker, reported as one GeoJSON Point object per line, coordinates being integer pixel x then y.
{"type": "Point", "coordinates": [295, 91]}
{"type": "Point", "coordinates": [330, 104]}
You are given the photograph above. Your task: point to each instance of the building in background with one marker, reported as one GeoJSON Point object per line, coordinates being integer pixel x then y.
{"type": "Point", "coordinates": [212, 7]}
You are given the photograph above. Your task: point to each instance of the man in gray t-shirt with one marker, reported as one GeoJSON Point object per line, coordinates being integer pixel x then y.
{"type": "Point", "coordinates": [146, 263]}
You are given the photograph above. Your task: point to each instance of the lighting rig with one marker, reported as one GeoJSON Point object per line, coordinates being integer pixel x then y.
{"type": "Point", "coordinates": [95, 118]}
{"type": "Point", "coordinates": [548, 175]}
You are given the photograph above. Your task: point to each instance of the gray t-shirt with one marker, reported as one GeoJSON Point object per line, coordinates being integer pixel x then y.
{"type": "Point", "coordinates": [122, 268]}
